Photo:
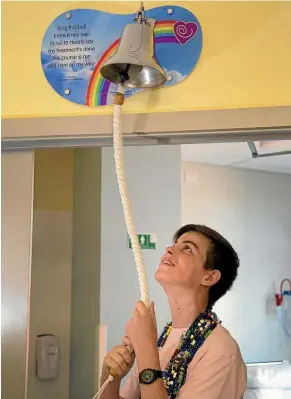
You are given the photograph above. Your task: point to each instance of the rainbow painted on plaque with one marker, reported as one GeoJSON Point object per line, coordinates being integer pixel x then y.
{"type": "Point", "coordinates": [98, 88]}
{"type": "Point", "coordinates": [76, 45]}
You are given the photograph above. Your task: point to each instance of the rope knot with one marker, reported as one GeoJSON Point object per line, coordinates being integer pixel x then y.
{"type": "Point", "coordinates": [118, 99]}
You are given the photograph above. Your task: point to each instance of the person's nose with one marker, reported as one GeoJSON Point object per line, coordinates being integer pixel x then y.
{"type": "Point", "coordinates": [170, 250]}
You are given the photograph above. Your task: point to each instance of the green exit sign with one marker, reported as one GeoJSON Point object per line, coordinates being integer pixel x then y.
{"type": "Point", "coordinates": [146, 241]}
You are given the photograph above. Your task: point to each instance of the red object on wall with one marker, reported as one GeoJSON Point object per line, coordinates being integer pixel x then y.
{"type": "Point", "coordinates": [279, 297]}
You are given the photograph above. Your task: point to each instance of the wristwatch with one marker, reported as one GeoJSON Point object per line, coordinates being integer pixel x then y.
{"type": "Point", "coordinates": [148, 376]}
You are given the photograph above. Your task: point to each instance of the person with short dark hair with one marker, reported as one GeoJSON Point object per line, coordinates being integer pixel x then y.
{"type": "Point", "coordinates": [194, 357]}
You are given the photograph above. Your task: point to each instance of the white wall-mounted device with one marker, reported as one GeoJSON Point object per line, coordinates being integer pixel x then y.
{"type": "Point", "coordinates": [47, 357]}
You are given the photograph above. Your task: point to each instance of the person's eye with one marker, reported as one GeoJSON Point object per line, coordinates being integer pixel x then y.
{"type": "Point", "coordinates": [187, 248]}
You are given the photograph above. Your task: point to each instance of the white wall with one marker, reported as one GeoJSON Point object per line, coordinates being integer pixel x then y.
{"type": "Point", "coordinates": [252, 210]}
{"type": "Point", "coordinates": [65, 268]}
{"type": "Point", "coordinates": [154, 182]}
{"type": "Point", "coordinates": [16, 209]}
{"type": "Point", "coordinates": [50, 310]}
{"type": "Point", "coordinates": [85, 311]}
{"type": "Point", "coordinates": [51, 297]}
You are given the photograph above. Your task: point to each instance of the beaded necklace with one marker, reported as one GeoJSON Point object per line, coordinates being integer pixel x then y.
{"type": "Point", "coordinates": [175, 373]}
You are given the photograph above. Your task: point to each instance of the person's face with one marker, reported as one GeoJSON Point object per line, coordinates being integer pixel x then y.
{"type": "Point", "coordinates": [183, 263]}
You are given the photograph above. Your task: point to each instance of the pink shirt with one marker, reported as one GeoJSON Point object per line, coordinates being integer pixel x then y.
{"type": "Point", "coordinates": [217, 371]}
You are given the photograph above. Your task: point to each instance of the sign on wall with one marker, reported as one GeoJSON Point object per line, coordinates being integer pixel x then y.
{"type": "Point", "coordinates": [146, 241]}
{"type": "Point", "coordinates": [78, 42]}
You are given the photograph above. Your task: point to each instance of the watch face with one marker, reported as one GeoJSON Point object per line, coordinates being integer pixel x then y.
{"type": "Point", "coordinates": [147, 376]}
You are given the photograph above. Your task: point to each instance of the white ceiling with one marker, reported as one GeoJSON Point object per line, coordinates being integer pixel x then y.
{"type": "Point", "coordinates": [239, 155]}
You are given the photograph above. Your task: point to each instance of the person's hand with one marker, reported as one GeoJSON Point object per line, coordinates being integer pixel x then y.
{"type": "Point", "coordinates": [120, 359]}
{"type": "Point", "coordinates": [141, 328]}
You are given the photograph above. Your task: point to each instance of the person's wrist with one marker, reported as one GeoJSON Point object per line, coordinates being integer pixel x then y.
{"type": "Point", "coordinates": [148, 357]}
{"type": "Point", "coordinates": [148, 346]}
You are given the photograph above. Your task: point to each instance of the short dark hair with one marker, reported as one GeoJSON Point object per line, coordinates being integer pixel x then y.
{"type": "Point", "coordinates": [221, 256]}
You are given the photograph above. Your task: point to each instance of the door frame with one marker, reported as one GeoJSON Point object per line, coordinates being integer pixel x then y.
{"type": "Point", "coordinates": [205, 126]}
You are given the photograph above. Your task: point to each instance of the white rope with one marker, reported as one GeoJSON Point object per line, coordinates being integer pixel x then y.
{"type": "Point", "coordinates": [102, 389]}
{"type": "Point", "coordinates": [120, 172]}
{"type": "Point", "coordinates": [137, 252]}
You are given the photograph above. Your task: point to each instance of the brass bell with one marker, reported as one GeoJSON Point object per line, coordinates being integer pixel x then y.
{"type": "Point", "coordinates": [134, 64]}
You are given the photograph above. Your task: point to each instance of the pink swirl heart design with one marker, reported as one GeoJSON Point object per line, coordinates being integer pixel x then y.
{"type": "Point", "coordinates": [184, 31]}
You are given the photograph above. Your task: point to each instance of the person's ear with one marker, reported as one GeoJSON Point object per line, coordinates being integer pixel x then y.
{"type": "Point", "coordinates": [211, 278]}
